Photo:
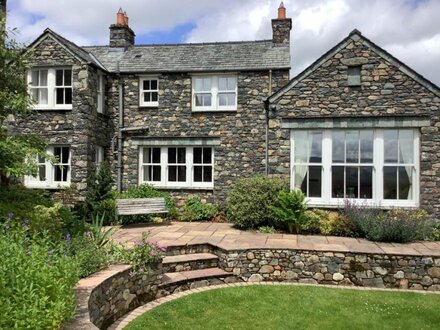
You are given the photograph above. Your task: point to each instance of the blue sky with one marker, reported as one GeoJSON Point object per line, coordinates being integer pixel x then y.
{"type": "Point", "coordinates": [408, 29]}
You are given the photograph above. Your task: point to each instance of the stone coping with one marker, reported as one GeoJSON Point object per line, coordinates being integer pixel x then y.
{"type": "Point", "coordinates": [225, 237]}
{"type": "Point", "coordinates": [126, 319]}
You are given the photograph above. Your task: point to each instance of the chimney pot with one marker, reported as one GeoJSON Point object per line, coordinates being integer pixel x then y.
{"type": "Point", "coordinates": [125, 18]}
{"type": "Point", "coordinates": [282, 11]}
{"type": "Point", "coordinates": [120, 17]}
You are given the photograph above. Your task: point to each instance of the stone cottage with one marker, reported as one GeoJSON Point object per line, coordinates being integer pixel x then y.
{"type": "Point", "coordinates": [193, 118]}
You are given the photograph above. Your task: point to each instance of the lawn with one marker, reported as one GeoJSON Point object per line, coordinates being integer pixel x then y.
{"type": "Point", "coordinates": [294, 307]}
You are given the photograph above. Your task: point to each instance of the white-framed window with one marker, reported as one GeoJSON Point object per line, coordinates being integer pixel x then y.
{"type": "Point", "coordinates": [214, 93]}
{"type": "Point", "coordinates": [149, 92]}
{"type": "Point", "coordinates": [378, 167]}
{"type": "Point", "coordinates": [177, 167]}
{"type": "Point", "coordinates": [52, 175]}
{"type": "Point", "coordinates": [51, 88]}
{"type": "Point", "coordinates": [101, 94]}
{"type": "Point", "coordinates": [99, 155]}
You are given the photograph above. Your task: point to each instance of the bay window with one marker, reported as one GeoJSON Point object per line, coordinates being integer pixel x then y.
{"type": "Point", "coordinates": [51, 88]}
{"type": "Point", "coordinates": [177, 167]}
{"type": "Point", "coordinates": [214, 93]}
{"type": "Point", "coordinates": [52, 175]}
{"type": "Point", "coordinates": [378, 166]}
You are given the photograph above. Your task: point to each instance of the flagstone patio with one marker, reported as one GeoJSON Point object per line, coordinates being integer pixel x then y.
{"type": "Point", "coordinates": [226, 237]}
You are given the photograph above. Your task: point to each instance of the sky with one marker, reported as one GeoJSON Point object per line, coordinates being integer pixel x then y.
{"type": "Point", "coordinates": [408, 29]}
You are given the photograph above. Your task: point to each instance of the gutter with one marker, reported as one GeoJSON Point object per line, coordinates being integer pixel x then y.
{"type": "Point", "coordinates": [266, 108]}
{"type": "Point", "coordinates": [120, 128]}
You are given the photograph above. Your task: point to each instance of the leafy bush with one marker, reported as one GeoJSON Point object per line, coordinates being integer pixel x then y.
{"type": "Point", "coordinates": [329, 223]}
{"type": "Point", "coordinates": [396, 225]}
{"type": "Point", "coordinates": [52, 220]}
{"type": "Point", "coordinates": [289, 211]}
{"type": "Point", "coordinates": [36, 281]}
{"type": "Point", "coordinates": [266, 230]}
{"type": "Point", "coordinates": [100, 235]}
{"type": "Point", "coordinates": [21, 201]}
{"type": "Point", "coordinates": [435, 235]}
{"type": "Point", "coordinates": [146, 191]}
{"type": "Point", "coordinates": [89, 257]}
{"type": "Point", "coordinates": [100, 196]}
{"type": "Point", "coordinates": [248, 203]}
{"type": "Point", "coordinates": [195, 210]}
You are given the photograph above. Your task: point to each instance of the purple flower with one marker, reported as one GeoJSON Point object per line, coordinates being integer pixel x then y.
{"type": "Point", "coordinates": [26, 224]}
{"type": "Point", "coordinates": [7, 227]}
{"type": "Point", "coordinates": [51, 252]}
{"type": "Point", "coordinates": [141, 270]}
{"type": "Point", "coordinates": [67, 237]}
{"type": "Point", "coordinates": [88, 234]}
{"type": "Point", "coordinates": [137, 242]}
{"type": "Point", "coordinates": [153, 253]}
{"type": "Point", "coordinates": [9, 217]}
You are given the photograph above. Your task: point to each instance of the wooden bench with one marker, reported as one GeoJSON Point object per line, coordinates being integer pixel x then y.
{"type": "Point", "coordinates": [138, 206]}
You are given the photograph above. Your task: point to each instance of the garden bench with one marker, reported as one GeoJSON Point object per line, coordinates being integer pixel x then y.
{"type": "Point", "coordinates": [138, 206]}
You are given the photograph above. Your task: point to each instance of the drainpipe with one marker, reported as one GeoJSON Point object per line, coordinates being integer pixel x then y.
{"type": "Point", "coordinates": [266, 107]}
{"type": "Point", "coordinates": [120, 129]}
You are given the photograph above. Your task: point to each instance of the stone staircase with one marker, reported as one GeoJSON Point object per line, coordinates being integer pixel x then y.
{"type": "Point", "coordinates": [192, 267]}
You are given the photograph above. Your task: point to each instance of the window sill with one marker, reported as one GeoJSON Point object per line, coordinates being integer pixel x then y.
{"type": "Point", "coordinates": [53, 108]}
{"type": "Point", "coordinates": [340, 203]}
{"type": "Point", "coordinates": [214, 110]}
{"type": "Point", "coordinates": [178, 187]}
{"type": "Point", "coordinates": [49, 187]}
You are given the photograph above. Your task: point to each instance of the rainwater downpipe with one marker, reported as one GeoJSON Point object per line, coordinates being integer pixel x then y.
{"type": "Point", "coordinates": [120, 127]}
{"type": "Point", "coordinates": [266, 106]}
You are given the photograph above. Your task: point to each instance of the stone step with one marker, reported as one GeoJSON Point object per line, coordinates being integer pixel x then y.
{"type": "Point", "coordinates": [193, 275]}
{"type": "Point", "coordinates": [187, 262]}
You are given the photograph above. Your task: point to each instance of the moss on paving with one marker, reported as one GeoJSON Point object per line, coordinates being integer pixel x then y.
{"type": "Point", "coordinates": [294, 307]}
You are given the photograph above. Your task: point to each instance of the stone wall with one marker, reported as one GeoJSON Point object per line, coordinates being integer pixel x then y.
{"type": "Point", "coordinates": [335, 268]}
{"type": "Point", "coordinates": [241, 132]}
{"type": "Point", "coordinates": [385, 91]}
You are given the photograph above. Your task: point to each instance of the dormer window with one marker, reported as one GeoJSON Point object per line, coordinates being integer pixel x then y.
{"type": "Point", "coordinates": [149, 92]}
{"type": "Point", "coordinates": [51, 88]}
{"type": "Point", "coordinates": [354, 76]}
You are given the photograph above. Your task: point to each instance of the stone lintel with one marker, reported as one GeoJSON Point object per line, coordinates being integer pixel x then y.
{"type": "Point", "coordinates": [184, 141]}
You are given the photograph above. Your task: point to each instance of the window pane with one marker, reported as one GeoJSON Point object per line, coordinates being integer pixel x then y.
{"type": "Point", "coordinates": [198, 173]}
{"type": "Point", "coordinates": [153, 84]}
{"type": "Point", "coordinates": [390, 182]}
{"type": "Point", "coordinates": [207, 174]}
{"type": "Point", "coordinates": [352, 181]}
{"type": "Point", "coordinates": [181, 155]}
{"type": "Point", "coordinates": [222, 83]}
{"type": "Point", "coordinates": [156, 155]}
{"type": "Point", "coordinates": [232, 84]}
{"type": "Point", "coordinates": [58, 173]}
{"type": "Point", "coordinates": [199, 100]}
{"type": "Point", "coordinates": [43, 78]}
{"type": "Point", "coordinates": [338, 181]}
{"type": "Point", "coordinates": [43, 96]}
{"type": "Point", "coordinates": [390, 145]}
{"type": "Point", "coordinates": [222, 100]}
{"type": "Point", "coordinates": [315, 147]}
{"type": "Point", "coordinates": [35, 78]}
{"type": "Point", "coordinates": [405, 179]}
{"type": "Point", "coordinates": [146, 85]}
{"type": "Point", "coordinates": [406, 147]}
{"type": "Point", "coordinates": [315, 181]}
{"type": "Point", "coordinates": [59, 78]}
{"type": "Point", "coordinates": [301, 146]}
{"type": "Point", "coordinates": [172, 155]}
{"type": "Point", "coordinates": [60, 95]}
{"type": "Point", "coordinates": [146, 156]}
{"type": "Point", "coordinates": [366, 138]}
{"type": "Point", "coordinates": [181, 173]}
{"type": "Point", "coordinates": [154, 97]}
{"type": "Point", "coordinates": [352, 147]}
{"type": "Point", "coordinates": [197, 155]}
{"type": "Point", "coordinates": [67, 77]}
{"type": "Point", "coordinates": [42, 172]}
{"type": "Point", "coordinates": [172, 173]}
{"type": "Point", "coordinates": [68, 99]}
{"type": "Point", "coordinates": [301, 178]}
{"type": "Point", "coordinates": [57, 153]}
{"type": "Point", "coordinates": [206, 84]}
{"type": "Point", "coordinates": [366, 181]}
{"type": "Point", "coordinates": [338, 147]}
{"type": "Point", "coordinates": [207, 155]}
{"type": "Point", "coordinates": [65, 155]}
{"type": "Point", "coordinates": [156, 173]}
{"type": "Point", "coordinates": [198, 84]}
{"type": "Point", "coordinates": [207, 100]}
{"type": "Point", "coordinates": [147, 97]}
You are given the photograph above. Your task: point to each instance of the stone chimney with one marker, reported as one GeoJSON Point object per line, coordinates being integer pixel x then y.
{"type": "Point", "coordinates": [121, 36]}
{"type": "Point", "coordinates": [281, 27]}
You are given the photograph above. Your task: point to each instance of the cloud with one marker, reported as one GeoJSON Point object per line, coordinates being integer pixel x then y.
{"type": "Point", "coordinates": [408, 29]}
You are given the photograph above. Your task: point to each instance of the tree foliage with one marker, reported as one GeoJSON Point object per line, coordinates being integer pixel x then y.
{"type": "Point", "coordinates": [18, 153]}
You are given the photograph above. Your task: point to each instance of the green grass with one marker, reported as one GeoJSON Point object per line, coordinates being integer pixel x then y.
{"type": "Point", "coordinates": [294, 307]}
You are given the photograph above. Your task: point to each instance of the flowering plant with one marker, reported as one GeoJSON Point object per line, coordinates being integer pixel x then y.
{"type": "Point", "coordinates": [145, 253]}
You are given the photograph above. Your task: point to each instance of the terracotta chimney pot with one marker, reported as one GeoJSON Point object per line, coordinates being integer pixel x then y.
{"type": "Point", "coordinates": [120, 17]}
{"type": "Point", "coordinates": [282, 11]}
{"type": "Point", "coordinates": [125, 18]}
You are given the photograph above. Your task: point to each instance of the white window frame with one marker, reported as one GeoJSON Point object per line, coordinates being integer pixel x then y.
{"type": "Point", "coordinates": [51, 89]}
{"type": "Point", "coordinates": [326, 199]}
{"type": "Point", "coordinates": [142, 91]}
{"type": "Point", "coordinates": [101, 94]}
{"type": "Point", "coordinates": [99, 155]}
{"type": "Point", "coordinates": [50, 183]}
{"type": "Point", "coordinates": [215, 92]}
{"type": "Point", "coordinates": [189, 163]}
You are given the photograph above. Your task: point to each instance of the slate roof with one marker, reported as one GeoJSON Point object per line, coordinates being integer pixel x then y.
{"type": "Point", "coordinates": [203, 57]}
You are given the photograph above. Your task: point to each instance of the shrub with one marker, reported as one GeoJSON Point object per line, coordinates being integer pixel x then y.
{"type": "Point", "coordinates": [146, 191]}
{"type": "Point", "coordinates": [435, 235]}
{"type": "Point", "coordinates": [248, 203]}
{"type": "Point", "coordinates": [36, 281]}
{"type": "Point", "coordinates": [289, 211]}
{"type": "Point", "coordinates": [266, 229]}
{"type": "Point", "coordinates": [195, 210]}
{"type": "Point", "coordinates": [89, 257]}
{"type": "Point", "coordinates": [329, 223]}
{"type": "Point", "coordinates": [396, 225]}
